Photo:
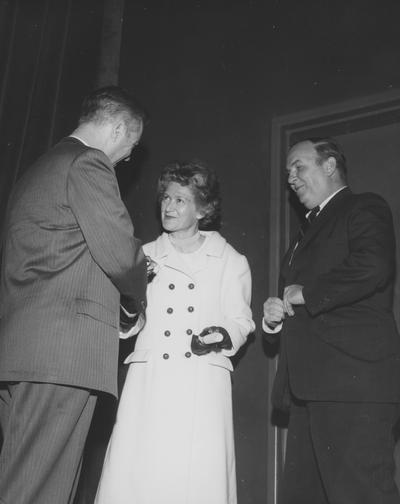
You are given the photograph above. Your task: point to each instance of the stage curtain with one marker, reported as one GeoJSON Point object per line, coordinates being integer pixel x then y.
{"type": "Point", "coordinates": [49, 59]}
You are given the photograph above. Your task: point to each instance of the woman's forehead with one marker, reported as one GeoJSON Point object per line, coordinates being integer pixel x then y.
{"type": "Point", "coordinates": [176, 189]}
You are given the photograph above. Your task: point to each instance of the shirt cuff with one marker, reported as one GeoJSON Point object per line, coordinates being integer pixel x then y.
{"type": "Point", "coordinates": [135, 329]}
{"type": "Point", "coordinates": [269, 330]}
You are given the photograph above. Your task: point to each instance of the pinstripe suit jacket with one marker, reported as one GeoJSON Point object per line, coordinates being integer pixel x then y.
{"type": "Point", "coordinates": [69, 252]}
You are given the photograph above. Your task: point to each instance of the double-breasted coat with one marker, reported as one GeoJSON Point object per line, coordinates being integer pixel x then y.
{"type": "Point", "coordinates": [173, 438]}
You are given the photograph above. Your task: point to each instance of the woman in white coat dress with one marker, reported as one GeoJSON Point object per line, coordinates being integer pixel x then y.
{"type": "Point", "coordinates": [172, 442]}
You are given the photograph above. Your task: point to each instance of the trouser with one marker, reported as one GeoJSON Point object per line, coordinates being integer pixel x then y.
{"type": "Point", "coordinates": [44, 427]}
{"type": "Point", "coordinates": [340, 453]}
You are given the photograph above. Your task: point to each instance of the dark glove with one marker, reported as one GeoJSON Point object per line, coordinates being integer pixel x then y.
{"type": "Point", "coordinates": [200, 348]}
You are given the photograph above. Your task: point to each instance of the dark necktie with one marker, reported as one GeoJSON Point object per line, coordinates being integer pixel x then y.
{"type": "Point", "coordinates": [302, 231]}
{"type": "Point", "coordinates": [306, 224]}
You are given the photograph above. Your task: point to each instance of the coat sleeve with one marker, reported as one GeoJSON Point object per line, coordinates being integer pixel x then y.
{"type": "Point", "coordinates": [237, 316]}
{"type": "Point", "coordinates": [107, 229]}
{"type": "Point", "coordinates": [369, 265]}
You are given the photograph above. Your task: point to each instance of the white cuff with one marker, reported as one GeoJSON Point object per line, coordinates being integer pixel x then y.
{"type": "Point", "coordinates": [269, 330]}
{"type": "Point", "coordinates": [135, 329]}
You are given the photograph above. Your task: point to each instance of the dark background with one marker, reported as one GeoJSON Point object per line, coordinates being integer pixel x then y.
{"type": "Point", "coordinates": [212, 74]}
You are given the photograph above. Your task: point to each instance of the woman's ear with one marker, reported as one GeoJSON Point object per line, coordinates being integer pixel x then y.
{"type": "Point", "coordinates": [202, 212]}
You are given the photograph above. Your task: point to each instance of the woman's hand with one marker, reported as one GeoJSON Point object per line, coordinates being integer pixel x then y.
{"type": "Point", "coordinates": [214, 337]}
{"type": "Point", "coordinates": [211, 339]}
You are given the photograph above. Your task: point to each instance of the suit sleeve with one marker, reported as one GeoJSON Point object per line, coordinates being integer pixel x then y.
{"type": "Point", "coordinates": [94, 198]}
{"type": "Point", "coordinates": [236, 302]}
{"type": "Point", "coordinates": [369, 265]}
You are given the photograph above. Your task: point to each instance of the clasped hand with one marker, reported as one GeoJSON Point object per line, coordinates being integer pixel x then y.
{"type": "Point", "coordinates": [211, 339]}
{"type": "Point", "coordinates": [214, 337]}
{"type": "Point", "coordinates": [275, 309]}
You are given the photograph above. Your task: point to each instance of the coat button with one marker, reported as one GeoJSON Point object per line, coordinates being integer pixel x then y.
{"type": "Point", "coordinates": [189, 331]}
{"type": "Point", "coordinates": [171, 286]}
{"type": "Point", "coordinates": [188, 354]}
{"type": "Point", "coordinates": [191, 286]}
{"type": "Point", "coordinates": [190, 309]}
{"type": "Point", "coordinates": [167, 333]}
{"type": "Point", "coordinates": [170, 310]}
{"type": "Point", "coordinates": [165, 356]}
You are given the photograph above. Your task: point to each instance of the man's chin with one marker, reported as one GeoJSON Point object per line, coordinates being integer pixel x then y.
{"type": "Point", "coordinates": [306, 203]}
{"type": "Point", "coordinates": [302, 200]}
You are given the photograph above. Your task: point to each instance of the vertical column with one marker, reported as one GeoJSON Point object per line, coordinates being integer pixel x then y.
{"type": "Point", "coordinates": [108, 72]}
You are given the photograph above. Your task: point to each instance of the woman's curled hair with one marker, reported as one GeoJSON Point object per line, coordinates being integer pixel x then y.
{"type": "Point", "coordinates": [204, 184]}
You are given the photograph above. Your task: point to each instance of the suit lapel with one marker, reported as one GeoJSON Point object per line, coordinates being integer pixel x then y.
{"type": "Point", "coordinates": [320, 220]}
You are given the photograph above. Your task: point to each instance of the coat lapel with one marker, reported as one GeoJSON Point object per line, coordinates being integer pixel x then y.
{"type": "Point", "coordinates": [167, 256]}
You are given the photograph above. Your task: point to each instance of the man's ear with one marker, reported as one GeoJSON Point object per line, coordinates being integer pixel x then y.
{"type": "Point", "coordinates": [118, 130]}
{"type": "Point", "coordinates": [330, 166]}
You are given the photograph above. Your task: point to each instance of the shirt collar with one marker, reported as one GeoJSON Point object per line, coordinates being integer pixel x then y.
{"type": "Point", "coordinates": [326, 201]}
{"type": "Point", "coordinates": [80, 139]}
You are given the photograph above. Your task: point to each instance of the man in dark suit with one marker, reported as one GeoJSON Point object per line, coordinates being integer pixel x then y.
{"type": "Point", "coordinates": [69, 253]}
{"type": "Point", "coordinates": [339, 365]}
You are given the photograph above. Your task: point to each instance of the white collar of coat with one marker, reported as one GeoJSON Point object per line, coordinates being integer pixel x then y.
{"type": "Point", "coordinates": [166, 255]}
{"type": "Point", "coordinates": [214, 245]}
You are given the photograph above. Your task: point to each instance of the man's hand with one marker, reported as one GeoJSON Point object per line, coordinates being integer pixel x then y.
{"type": "Point", "coordinates": [274, 312]}
{"type": "Point", "coordinates": [132, 331]}
{"type": "Point", "coordinates": [293, 295]}
{"type": "Point", "coordinates": [152, 268]}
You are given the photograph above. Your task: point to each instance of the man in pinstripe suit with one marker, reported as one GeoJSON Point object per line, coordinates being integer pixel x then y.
{"type": "Point", "coordinates": [69, 253]}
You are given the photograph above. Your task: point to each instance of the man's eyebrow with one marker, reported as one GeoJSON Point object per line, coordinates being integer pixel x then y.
{"type": "Point", "coordinates": [293, 163]}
